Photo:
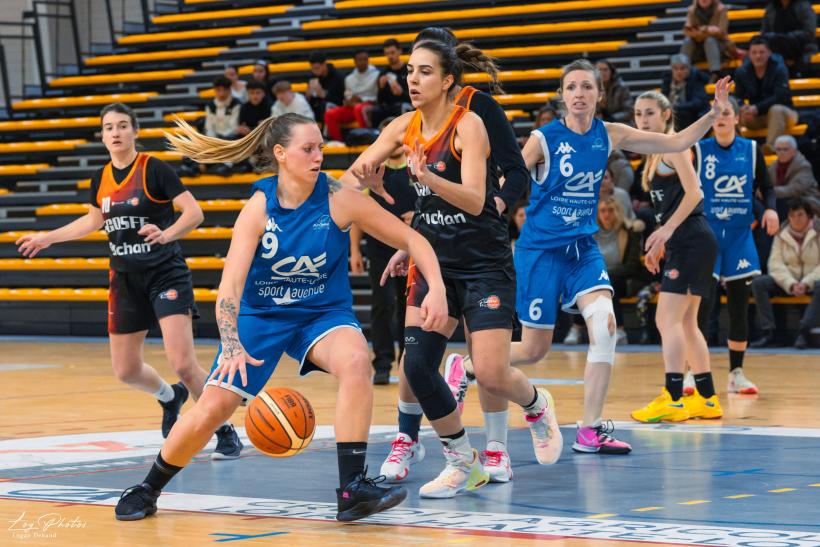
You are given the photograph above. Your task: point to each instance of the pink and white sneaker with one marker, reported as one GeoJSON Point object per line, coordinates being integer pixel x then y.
{"type": "Point", "coordinates": [546, 436]}
{"type": "Point", "coordinates": [496, 463]}
{"type": "Point", "coordinates": [599, 440]}
{"type": "Point", "coordinates": [456, 377]}
{"type": "Point", "coordinates": [404, 452]}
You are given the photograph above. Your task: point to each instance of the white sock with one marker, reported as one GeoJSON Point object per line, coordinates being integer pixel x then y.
{"type": "Point", "coordinates": [165, 393]}
{"type": "Point", "coordinates": [495, 424]}
{"type": "Point", "coordinates": [461, 446]}
{"type": "Point", "coordinates": [410, 408]}
{"type": "Point", "coordinates": [538, 406]}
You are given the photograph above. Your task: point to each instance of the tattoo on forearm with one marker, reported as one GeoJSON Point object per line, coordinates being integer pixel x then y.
{"type": "Point", "coordinates": [227, 323]}
{"type": "Point", "coordinates": [333, 185]}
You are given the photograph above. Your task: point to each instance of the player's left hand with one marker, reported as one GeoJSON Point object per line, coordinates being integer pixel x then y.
{"type": "Point", "coordinates": [434, 310]}
{"type": "Point", "coordinates": [417, 160]}
{"type": "Point", "coordinates": [153, 234]}
{"type": "Point", "coordinates": [770, 222]}
{"type": "Point", "coordinates": [654, 247]}
{"type": "Point", "coordinates": [722, 88]}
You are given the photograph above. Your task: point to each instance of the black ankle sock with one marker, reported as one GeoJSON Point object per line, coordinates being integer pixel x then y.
{"type": "Point", "coordinates": [351, 458]}
{"type": "Point", "coordinates": [735, 359]}
{"type": "Point", "coordinates": [674, 385]}
{"type": "Point", "coordinates": [449, 438]}
{"type": "Point", "coordinates": [409, 424]}
{"type": "Point", "coordinates": [704, 384]}
{"type": "Point", "coordinates": [161, 473]}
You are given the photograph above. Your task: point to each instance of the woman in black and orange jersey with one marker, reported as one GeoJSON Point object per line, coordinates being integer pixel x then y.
{"type": "Point", "coordinates": [448, 155]}
{"type": "Point", "coordinates": [133, 198]}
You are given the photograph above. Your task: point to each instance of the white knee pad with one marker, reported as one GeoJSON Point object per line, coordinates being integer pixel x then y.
{"type": "Point", "coordinates": [602, 342]}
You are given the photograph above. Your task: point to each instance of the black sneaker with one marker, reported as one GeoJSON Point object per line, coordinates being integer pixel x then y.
{"type": "Point", "coordinates": [768, 340]}
{"type": "Point", "coordinates": [381, 378]}
{"type": "Point", "coordinates": [228, 445]}
{"type": "Point", "coordinates": [170, 410]}
{"type": "Point", "coordinates": [362, 498]}
{"type": "Point", "coordinates": [137, 502]}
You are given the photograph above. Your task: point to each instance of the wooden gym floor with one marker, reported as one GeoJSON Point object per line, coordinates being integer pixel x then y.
{"type": "Point", "coordinates": [73, 438]}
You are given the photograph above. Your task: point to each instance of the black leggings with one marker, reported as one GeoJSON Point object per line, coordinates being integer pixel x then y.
{"type": "Point", "coordinates": [737, 301]}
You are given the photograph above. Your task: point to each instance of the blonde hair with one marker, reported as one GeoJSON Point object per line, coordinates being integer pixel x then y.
{"type": "Point", "coordinates": [652, 160]}
{"type": "Point", "coordinates": [259, 142]}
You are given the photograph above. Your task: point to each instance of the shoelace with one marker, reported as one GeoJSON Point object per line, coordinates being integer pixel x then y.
{"type": "Point", "coordinates": [604, 430]}
{"type": "Point", "coordinates": [369, 481]}
{"type": "Point", "coordinates": [493, 457]}
{"type": "Point", "coordinates": [132, 490]}
{"type": "Point", "coordinates": [398, 450]}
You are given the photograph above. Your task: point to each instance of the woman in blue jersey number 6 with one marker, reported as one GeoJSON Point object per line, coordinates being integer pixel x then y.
{"type": "Point", "coordinates": [556, 256]}
{"type": "Point", "coordinates": [285, 289]}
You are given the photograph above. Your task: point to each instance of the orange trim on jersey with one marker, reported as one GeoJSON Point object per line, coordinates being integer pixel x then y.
{"type": "Point", "coordinates": [413, 133]}
{"type": "Point", "coordinates": [109, 185]}
{"type": "Point", "coordinates": [456, 155]}
{"type": "Point", "coordinates": [465, 96]}
{"type": "Point", "coordinates": [145, 186]}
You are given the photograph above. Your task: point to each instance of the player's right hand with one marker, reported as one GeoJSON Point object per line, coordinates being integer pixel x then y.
{"type": "Point", "coordinates": [396, 267]}
{"type": "Point", "coordinates": [31, 244]}
{"type": "Point", "coordinates": [434, 311]}
{"type": "Point", "coordinates": [232, 358]}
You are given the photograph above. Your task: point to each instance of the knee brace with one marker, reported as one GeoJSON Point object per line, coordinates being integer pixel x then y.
{"type": "Point", "coordinates": [422, 356]}
{"type": "Point", "coordinates": [737, 296]}
{"type": "Point", "coordinates": [599, 315]}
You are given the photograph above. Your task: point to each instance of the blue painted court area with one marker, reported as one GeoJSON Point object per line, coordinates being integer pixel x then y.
{"type": "Point", "coordinates": [729, 477]}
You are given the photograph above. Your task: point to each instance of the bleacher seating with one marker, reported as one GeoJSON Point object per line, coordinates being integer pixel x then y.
{"type": "Point", "coordinates": [51, 147]}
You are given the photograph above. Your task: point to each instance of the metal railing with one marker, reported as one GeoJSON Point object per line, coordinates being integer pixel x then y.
{"type": "Point", "coordinates": [21, 72]}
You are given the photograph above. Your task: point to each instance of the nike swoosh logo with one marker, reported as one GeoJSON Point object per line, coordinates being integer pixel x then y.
{"type": "Point", "coordinates": [679, 405]}
{"type": "Point", "coordinates": [359, 452]}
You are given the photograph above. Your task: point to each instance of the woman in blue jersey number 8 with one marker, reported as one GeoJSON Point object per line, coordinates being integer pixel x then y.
{"type": "Point", "coordinates": [568, 158]}
{"type": "Point", "coordinates": [732, 170]}
{"type": "Point", "coordinates": [296, 226]}
{"type": "Point", "coordinates": [448, 150]}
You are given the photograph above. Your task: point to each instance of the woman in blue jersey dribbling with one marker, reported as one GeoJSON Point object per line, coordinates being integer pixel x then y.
{"type": "Point", "coordinates": [285, 289]}
{"type": "Point", "coordinates": [556, 257]}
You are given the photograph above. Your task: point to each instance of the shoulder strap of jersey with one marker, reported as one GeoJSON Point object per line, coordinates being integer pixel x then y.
{"type": "Point", "coordinates": [465, 96]}
{"type": "Point", "coordinates": [140, 171]}
{"type": "Point", "coordinates": [454, 119]}
{"type": "Point", "coordinates": [413, 130]}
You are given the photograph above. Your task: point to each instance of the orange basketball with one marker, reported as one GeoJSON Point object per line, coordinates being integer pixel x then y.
{"type": "Point", "coordinates": [280, 422]}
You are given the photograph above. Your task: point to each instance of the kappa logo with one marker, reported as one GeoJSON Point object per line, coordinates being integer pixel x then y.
{"type": "Point", "coordinates": [743, 264]}
{"type": "Point", "coordinates": [304, 266]}
{"type": "Point", "coordinates": [604, 276]}
{"type": "Point", "coordinates": [564, 148]}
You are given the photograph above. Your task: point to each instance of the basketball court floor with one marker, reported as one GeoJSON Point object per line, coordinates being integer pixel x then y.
{"type": "Point", "coordinates": [73, 438]}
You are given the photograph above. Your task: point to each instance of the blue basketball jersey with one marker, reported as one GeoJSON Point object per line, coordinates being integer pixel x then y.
{"type": "Point", "coordinates": [301, 260]}
{"type": "Point", "coordinates": [727, 178]}
{"type": "Point", "coordinates": [564, 200]}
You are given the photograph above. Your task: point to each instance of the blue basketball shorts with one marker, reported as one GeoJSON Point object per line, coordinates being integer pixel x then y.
{"type": "Point", "coordinates": [737, 255]}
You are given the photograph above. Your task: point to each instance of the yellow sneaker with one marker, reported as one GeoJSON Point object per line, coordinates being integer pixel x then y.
{"type": "Point", "coordinates": [662, 409]}
{"type": "Point", "coordinates": [701, 407]}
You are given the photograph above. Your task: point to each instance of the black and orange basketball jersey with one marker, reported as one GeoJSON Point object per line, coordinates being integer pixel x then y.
{"type": "Point", "coordinates": [466, 245]}
{"type": "Point", "coordinates": [465, 96]}
{"type": "Point", "coordinates": [126, 207]}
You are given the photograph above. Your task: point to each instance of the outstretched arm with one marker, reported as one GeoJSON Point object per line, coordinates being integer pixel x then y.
{"type": "Point", "coordinates": [645, 142]}
{"type": "Point", "coordinates": [31, 244]}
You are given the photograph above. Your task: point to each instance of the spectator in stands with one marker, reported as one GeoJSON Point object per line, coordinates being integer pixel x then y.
{"type": "Point", "coordinates": [794, 269]}
{"type": "Point", "coordinates": [361, 87]}
{"type": "Point", "coordinates": [706, 34]}
{"type": "Point", "coordinates": [389, 300]}
{"type": "Point", "coordinates": [685, 86]}
{"type": "Point", "coordinates": [792, 176]}
{"type": "Point", "coordinates": [222, 117]}
{"type": "Point", "coordinates": [238, 87]}
{"type": "Point", "coordinates": [620, 242]}
{"type": "Point", "coordinates": [288, 100]}
{"type": "Point", "coordinates": [762, 87]}
{"type": "Point", "coordinates": [623, 176]}
{"type": "Point", "coordinates": [790, 26]}
{"type": "Point", "coordinates": [261, 74]}
{"type": "Point", "coordinates": [609, 190]}
{"type": "Point", "coordinates": [326, 88]}
{"type": "Point", "coordinates": [393, 98]}
{"type": "Point", "coordinates": [517, 218]}
{"type": "Point", "coordinates": [545, 115]}
{"type": "Point", "coordinates": [255, 110]}
{"type": "Point", "coordinates": [616, 104]}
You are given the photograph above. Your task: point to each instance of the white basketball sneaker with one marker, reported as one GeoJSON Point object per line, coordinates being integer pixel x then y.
{"type": "Point", "coordinates": [546, 436]}
{"type": "Point", "coordinates": [404, 452]}
{"type": "Point", "coordinates": [496, 462]}
{"type": "Point", "coordinates": [458, 475]}
{"type": "Point", "coordinates": [738, 383]}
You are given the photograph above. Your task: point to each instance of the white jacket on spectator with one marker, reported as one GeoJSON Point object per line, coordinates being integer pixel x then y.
{"type": "Point", "coordinates": [222, 118]}
{"type": "Point", "coordinates": [365, 84]}
{"type": "Point", "coordinates": [791, 263]}
{"type": "Point", "coordinates": [299, 105]}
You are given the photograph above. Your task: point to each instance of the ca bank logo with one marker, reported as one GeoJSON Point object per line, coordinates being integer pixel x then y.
{"type": "Point", "coordinates": [270, 243]}
{"type": "Point", "coordinates": [304, 266]}
{"type": "Point", "coordinates": [730, 186]}
{"type": "Point", "coordinates": [564, 148]}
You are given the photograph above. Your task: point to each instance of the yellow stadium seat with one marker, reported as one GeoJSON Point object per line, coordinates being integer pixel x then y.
{"type": "Point", "coordinates": [88, 100]}
{"type": "Point", "coordinates": [58, 123]}
{"type": "Point", "coordinates": [175, 36]}
{"type": "Point", "coordinates": [199, 233]}
{"type": "Point", "coordinates": [101, 79]}
{"type": "Point", "coordinates": [49, 264]}
{"type": "Point", "coordinates": [29, 169]}
{"type": "Point", "coordinates": [209, 205]}
{"type": "Point", "coordinates": [80, 295]}
{"type": "Point", "coordinates": [796, 131]}
{"type": "Point", "coordinates": [220, 14]}
{"type": "Point", "coordinates": [40, 146]}
{"type": "Point", "coordinates": [155, 56]}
